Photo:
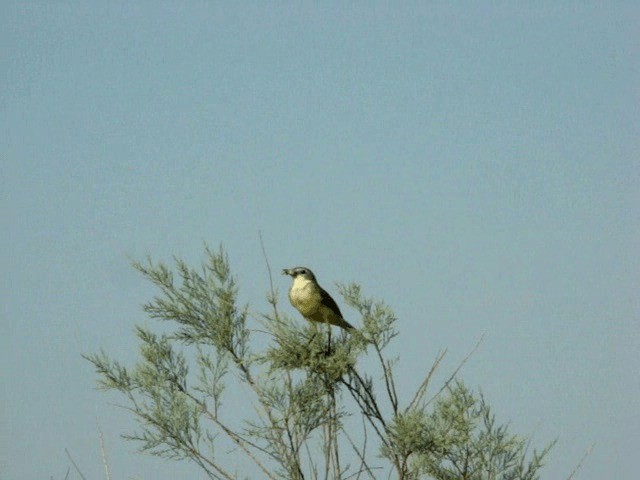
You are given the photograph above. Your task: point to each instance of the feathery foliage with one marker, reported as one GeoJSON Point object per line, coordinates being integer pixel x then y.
{"type": "Point", "coordinates": [307, 389]}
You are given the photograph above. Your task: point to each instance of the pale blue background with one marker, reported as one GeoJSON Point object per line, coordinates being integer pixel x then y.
{"type": "Point", "coordinates": [475, 166]}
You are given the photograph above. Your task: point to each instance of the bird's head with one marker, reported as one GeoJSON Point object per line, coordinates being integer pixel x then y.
{"type": "Point", "coordinates": [300, 272]}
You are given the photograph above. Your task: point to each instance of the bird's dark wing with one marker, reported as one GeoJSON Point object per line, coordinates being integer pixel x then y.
{"type": "Point", "coordinates": [329, 302]}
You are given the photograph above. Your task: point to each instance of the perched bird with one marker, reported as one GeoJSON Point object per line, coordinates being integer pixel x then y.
{"type": "Point", "coordinates": [311, 300]}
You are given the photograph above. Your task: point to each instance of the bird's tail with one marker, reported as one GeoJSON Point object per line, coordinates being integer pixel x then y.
{"type": "Point", "coordinates": [341, 322]}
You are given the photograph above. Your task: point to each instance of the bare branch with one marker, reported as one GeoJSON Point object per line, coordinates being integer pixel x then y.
{"type": "Point", "coordinates": [579, 465]}
{"type": "Point", "coordinates": [75, 465]}
{"type": "Point", "coordinates": [388, 380]}
{"type": "Point", "coordinates": [273, 298]}
{"type": "Point", "coordinates": [107, 472]}
{"type": "Point", "coordinates": [364, 466]}
{"type": "Point", "coordinates": [423, 387]}
{"type": "Point", "coordinates": [455, 372]}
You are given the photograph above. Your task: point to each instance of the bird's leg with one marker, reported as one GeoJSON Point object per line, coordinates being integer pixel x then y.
{"type": "Point", "coordinates": [329, 338]}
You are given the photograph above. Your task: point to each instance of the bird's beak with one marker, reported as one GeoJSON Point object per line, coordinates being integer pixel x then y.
{"type": "Point", "coordinates": [286, 271]}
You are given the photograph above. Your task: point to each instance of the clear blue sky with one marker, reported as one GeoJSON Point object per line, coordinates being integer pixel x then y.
{"type": "Point", "coordinates": [476, 167]}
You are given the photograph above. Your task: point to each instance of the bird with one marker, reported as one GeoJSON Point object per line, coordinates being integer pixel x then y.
{"type": "Point", "coordinates": [312, 301]}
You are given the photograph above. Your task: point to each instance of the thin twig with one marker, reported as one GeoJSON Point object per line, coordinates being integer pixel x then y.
{"type": "Point", "coordinates": [103, 453]}
{"type": "Point", "coordinates": [194, 454]}
{"type": "Point", "coordinates": [75, 465]}
{"type": "Point", "coordinates": [333, 415]}
{"type": "Point", "coordinates": [393, 386]}
{"type": "Point", "coordinates": [294, 444]}
{"type": "Point", "coordinates": [313, 469]}
{"type": "Point", "coordinates": [326, 430]}
{"type": "Point", "coordinates": [370, 398]}
{"type": "Point", "coordinates": [455, 372]}
{"type": "Point", "coordinates": [364, 466]}
{"type": "Point", "coordinates": [579, 465]}
{"type": "Point", "coordinates": [423, 387]}
{"type": "Point", "coordinates": [367, 409]}
{"type": "Point", "coordinates": [272, 299]}
{"type": "Point", "coordinates": [237, 438]}
{"type": "Point", "coordinates": [387, 382]}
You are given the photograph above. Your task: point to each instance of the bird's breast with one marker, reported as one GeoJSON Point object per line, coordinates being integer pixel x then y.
{"type": "Point", "coordinates": [305, 297]}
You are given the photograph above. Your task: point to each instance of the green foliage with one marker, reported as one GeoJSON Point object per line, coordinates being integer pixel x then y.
{"type": "Point", "coordinates": [307, 387]}
{"type": "Point", "coordinates": [459, 438]}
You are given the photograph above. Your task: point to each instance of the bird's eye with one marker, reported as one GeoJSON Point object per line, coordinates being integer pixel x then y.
{"type": "Point", "coordinates": [303, 271]}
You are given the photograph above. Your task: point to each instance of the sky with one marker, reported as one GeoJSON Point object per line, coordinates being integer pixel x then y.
{"type": "Point", "coordinates": [474, 164]}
